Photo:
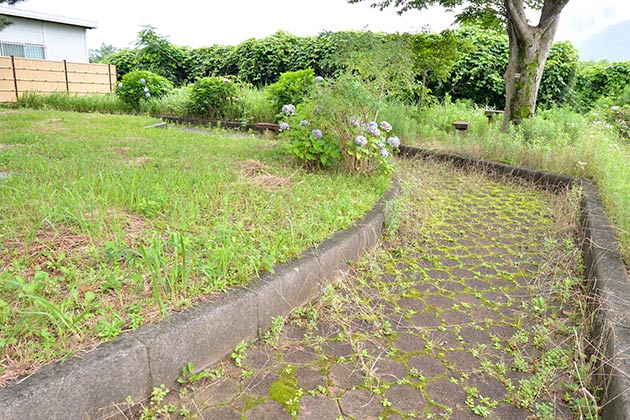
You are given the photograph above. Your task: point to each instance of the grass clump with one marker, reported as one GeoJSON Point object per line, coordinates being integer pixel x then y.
{"type": "Point", "coordinates": [110, 227]}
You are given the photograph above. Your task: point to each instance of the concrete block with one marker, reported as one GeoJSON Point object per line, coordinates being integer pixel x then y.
{"type": "Point", "coordinates": [83, 387]}
{"type": "Point", "coordinates": [203, 335]}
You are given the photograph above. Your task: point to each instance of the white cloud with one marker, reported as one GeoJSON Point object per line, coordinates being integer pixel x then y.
{"type": "Point", "coordinates": [581, 19]}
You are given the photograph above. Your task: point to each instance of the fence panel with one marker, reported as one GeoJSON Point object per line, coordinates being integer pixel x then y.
{"type": "Point", "coordinates": [19, 75]}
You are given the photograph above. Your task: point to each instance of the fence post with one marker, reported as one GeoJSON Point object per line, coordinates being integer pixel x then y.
{"type": "Point", "coordinates": [109, 73]}
{"type": "Point", "coordinates": [14, 78]}
{"type": "Point", "coordinates": [65, 70]}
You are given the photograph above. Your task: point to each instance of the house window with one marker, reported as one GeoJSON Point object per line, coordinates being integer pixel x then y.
{"type": "Point", "coordinates": [18, 49]}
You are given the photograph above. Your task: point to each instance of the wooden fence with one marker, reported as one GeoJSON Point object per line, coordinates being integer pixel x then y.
{"type": "Point", "coordinates": [20, 75]}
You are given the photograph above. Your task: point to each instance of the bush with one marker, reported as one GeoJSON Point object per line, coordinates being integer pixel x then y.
{"type": "Point", "coordinates": [140, 85]}
{"type": "Point", "coordinates": [292, 88]}
{"type": "Point", "coordinates": [338, 125]}
{"type": "Point", "coordinates": [215, 98]}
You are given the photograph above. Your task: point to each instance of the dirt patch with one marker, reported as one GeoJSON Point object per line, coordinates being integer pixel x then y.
{"type": "Point", "coordinates": [119, 149]}
{"type": "Point", "coordinates": [46, 126]}
{"type": "Point", "coordinates": [258, 173]}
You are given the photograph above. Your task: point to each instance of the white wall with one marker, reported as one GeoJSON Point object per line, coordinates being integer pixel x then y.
{"type": "Point", "coordinates": [63, 42]}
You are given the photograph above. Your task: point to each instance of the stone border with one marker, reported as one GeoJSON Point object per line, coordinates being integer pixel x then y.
{"type": "Point", "coordinates": [87, 385]}
{"type": "Point", "coordinates": [606, 276]}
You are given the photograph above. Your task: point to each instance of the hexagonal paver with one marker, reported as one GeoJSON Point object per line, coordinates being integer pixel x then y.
{"type": "Point", "coordinates": [361, 404]}
{"type": "Point", "coordinates": [318, 407]}
{"type": "Point", "coordinates": [269, 410]}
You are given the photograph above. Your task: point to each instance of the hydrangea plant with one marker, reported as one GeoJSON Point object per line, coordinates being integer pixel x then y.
{"type": "Point", "coordinates": [140, 85]}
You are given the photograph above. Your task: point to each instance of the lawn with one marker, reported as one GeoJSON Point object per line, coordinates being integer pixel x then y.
{"type": "Point", "coordinates": [106, 225]}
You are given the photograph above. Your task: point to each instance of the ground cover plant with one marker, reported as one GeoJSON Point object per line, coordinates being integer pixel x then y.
{"type": "Point", "coordinates": [106, 225]}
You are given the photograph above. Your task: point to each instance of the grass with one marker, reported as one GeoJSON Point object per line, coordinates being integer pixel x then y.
{"type": "Point", "coordinates": [106, 225]}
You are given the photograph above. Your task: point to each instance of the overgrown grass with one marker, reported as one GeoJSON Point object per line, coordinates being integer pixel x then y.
{"type": "Point", "coordinates": [106, 225]}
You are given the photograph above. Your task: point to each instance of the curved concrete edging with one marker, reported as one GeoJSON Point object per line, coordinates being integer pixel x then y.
{"type": "Point", "coordinates": [86, 386]}
{"type": "Point", "coordinates": [606, 275]}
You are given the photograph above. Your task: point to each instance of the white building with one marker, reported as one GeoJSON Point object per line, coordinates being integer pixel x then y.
{"type": "Point", "coordinates": [44, 36]}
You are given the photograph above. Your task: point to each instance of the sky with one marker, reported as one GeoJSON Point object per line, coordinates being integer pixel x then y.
{"type": "Point", "coordinates": [197, 23]}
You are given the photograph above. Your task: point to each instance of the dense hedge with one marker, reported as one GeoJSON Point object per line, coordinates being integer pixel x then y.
{"type": "Point", "coordinates": [477, 73]}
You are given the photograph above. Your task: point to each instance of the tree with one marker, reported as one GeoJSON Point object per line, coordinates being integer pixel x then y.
{"type": "Point", "coordinates": [528, 45]}
{"type": "Point", "coordinates": [98, 54]}
{"type": "Point", "coordinates": [5, 21]}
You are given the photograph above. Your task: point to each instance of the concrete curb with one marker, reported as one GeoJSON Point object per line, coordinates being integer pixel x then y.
{"type": "Point", "coordinates": [86, 386]}
{"type": "Point", "coordinates": [607, 279]}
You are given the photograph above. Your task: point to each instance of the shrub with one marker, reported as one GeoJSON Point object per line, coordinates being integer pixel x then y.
{"type": "Point", "coordinates": [140, 85]}
{"type": "Point", "coordinates": [291, 88]}
{"type": "Point", "coordinates": [338, 125]}
{"type": "Point", "coordinates": [214, 97]}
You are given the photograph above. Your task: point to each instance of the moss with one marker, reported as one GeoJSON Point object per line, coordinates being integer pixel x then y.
{"type": "Point", "coordinates": [286, 392]}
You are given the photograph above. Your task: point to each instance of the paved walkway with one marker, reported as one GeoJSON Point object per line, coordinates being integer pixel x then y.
{"type": "Point", "coordinates": [464, 313]}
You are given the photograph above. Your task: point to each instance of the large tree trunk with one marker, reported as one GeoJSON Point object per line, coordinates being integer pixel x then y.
{"type": "Point", "coordinates": [529, 48]}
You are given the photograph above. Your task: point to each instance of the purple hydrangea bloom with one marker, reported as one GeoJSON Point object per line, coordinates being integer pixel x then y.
{"type": "Point", "coordinates": [284, 126]}
{"type": "Point", "coordinates": [146, 89]}
{"type": "Point", "coordinates": [384, 152]}
{"type": "Point", "coordinates": [120, 85]}
{"type": "Point", "coordinates": [147, 94]}
{"type": "Point", "coordinates": [361, 141]}
{"type": "Point", "coordinates": [144, 82]}
{"type": "Point", "coordinates": [386, 126]}
{"type": "Point", "coordinates": [356, 121]}
{"type": "Point", "coordinates": [319, 79]}
{"type": "Point", "coordinates": [393, 141]}
{"type": "Point", "coordinates": [288, 109]}
{"type": "Point", "coordinates": [372, 128]}
{"type": "Point", "coordinates": [317, 133]}
{"type": "Point", "coordinates": [304, 122]}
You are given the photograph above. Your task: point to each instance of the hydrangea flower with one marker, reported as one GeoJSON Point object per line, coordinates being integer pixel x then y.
{"type": "Point", "coordinates": [146, 89]}
{"type": "Point", "coordinates": [120, 85]}
{"type": "Point", "coordinates": [356, 121]}
{"type": "Point", "coordinates": [304, 122]}
{"type": "Point", "coordinates": [372, 128]}
{"type": "Point", "coordinates": [288, 109]}
{"type": "Point", "coordinates": [144, 82]}
{"type": "Point", "coordinates": [319, 79]}
{"type": "Point", "coordinates": [361, 141]}
{"type": "Point", "coordinates": [384, 152]}
{"type": "Point", "coordinates": [386, 126]}
{"type": "Point", "coordinates": [284, 126]}
{"type": "Point", "coordinates": [317, 133]}
{"type": "Point", "coordinates": [147, 94]}
{"type": "Point", "coordinates": [393, 141]}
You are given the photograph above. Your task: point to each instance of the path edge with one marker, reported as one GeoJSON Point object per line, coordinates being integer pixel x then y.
{"type": "Point", "coordinates": [606, 278]}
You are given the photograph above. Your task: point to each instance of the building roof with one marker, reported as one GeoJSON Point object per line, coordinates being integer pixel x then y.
{"type": "Point", "coordinates": [27, 14]}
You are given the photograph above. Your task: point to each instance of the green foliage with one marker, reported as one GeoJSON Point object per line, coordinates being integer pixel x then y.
{"type": "Point", "coordinates": [141, 85]}
{"type": "Point", "coordinates": [292, 87]}
{"type": "Point", "coordinates": [262, 61]}
{"type": "Point", "coordinates": [559, 75]}
{"type": "Point", "coordinates": [478, 73]}
{"type": "Point", "coordinates": [599, 80]}
{"type": "Point", "coordinates": [158, 55]}
{"type": "Point", "coordinates": [216, 60]}
{"type": "Point", "coordinates": [339, 126]}
{"type": "Point", "coordinates": [214, 97]}
{"type": "Point", "coordinates": [434, 56]}
{"type": "Point", "coordinates": [125, 60]}
{"type": "Point", "coordinates": [313, 147]}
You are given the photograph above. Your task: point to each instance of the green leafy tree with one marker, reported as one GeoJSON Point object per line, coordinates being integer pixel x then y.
{"type": "Point", "coordinates": [529, 45]}
{"type": "Point", "coordinates": [98, 54]}
{"type": "Point", "coordinates": [435, 56]}
{"type": "Point", "coordinates": [158, 55]}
